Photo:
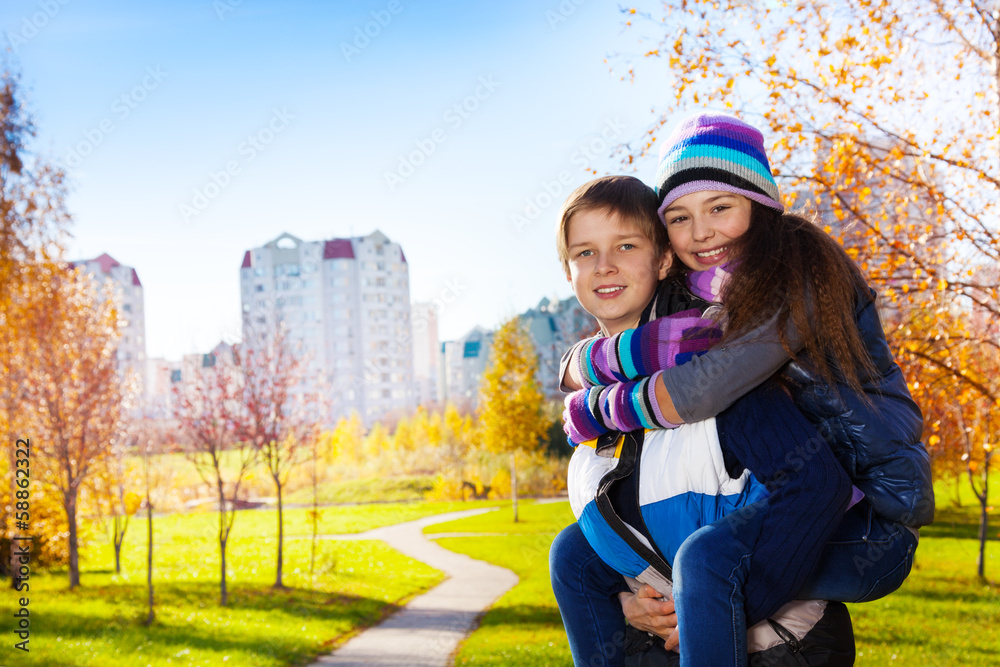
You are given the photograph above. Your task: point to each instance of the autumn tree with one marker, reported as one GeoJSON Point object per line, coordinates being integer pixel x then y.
{"type": "Point", "coordinates": [345, 441]}
{"type": "Point", "coordinates": [115, 484]}
{"type": "Point", "coordinates": [274, 420]}
{"type": "Point", "coordinates": [456, 437]}
{"type": "Point", "coordinates": [376, 441]}
{"type": "Point", "coordinates": [147, 435]}
{"type": "Point", "coordinates": [208, 408]}
{"type": "Point", "coordinates": [33, 218]}
{"type": "Point", "coordinates": [883, 115]}
{"type": "Point", "coordinates": [73, 386]}
{"type": "Point", "coordinates": [511, 417]}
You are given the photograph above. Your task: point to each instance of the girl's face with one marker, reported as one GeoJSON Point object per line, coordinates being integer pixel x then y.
{"type": "Point", "coordinates": [703, 225]}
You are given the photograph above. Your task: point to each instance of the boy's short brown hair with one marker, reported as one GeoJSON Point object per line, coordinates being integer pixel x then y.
{"type": "Point", "coordinates": [625, 196]}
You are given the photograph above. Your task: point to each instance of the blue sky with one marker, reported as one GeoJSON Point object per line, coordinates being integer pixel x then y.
{"type": "Point", "coordinates": [194, 130]}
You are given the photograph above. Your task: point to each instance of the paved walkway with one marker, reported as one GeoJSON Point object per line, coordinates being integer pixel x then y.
{"type": "Point", "coordinates": [426, 631]}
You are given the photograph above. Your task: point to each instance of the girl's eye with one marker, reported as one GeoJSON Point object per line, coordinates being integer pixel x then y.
{"type": "Point", "coordinates": [720, 208]}
{"type": "Point", "coordinates": [679, 218]}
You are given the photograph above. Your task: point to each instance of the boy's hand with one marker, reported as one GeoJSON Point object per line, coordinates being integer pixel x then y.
{"type": "Point", "coordinates": [636, 353]}
{"type": "Point", "coordinates": [647, 610]}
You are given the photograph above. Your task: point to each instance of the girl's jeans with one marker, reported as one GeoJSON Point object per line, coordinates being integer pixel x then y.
{"type": "Point", "coordinates": [866, 559]}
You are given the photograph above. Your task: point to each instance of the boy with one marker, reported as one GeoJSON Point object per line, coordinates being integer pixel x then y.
{"type": "Point", "coordinates": [614, 251]}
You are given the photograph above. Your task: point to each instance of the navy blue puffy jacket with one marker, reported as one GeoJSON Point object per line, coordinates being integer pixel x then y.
{"type": "Point", "coordinates": [877, 441]}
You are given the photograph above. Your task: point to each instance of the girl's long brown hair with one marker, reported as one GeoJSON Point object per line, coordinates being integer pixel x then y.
{"type": "Point", "coordinates": [788, 265]}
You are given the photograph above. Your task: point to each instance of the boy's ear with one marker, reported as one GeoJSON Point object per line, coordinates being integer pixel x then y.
{"type": "Point", "coordinates": [665, 263]}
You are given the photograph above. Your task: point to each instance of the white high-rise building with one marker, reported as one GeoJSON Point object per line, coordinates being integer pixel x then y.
{"type": "Point", "coordinates": [132, 345]}
{"type": "Point", "coordinates": [346, 306]}
{"type": "Point", "coordinates": [462, 363]}
{"type": "Point", "coordinates": [425, 351]}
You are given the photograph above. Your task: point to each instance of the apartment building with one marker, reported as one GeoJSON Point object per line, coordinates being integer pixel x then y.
{"type": "Point", "coordinates": [125, 280]}
{"type": "Point", "coordinates": [345, 304]}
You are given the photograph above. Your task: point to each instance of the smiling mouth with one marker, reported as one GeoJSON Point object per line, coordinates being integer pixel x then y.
{"type": "Point", "coordinates": [609, 290]}
{"type": "Point", "coordinates": [712, 253]}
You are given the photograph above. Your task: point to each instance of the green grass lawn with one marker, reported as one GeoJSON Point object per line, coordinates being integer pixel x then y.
{"type": "Point", "coordinates": [355, 584]}
{"type": "Point", "coordinates": [943, 615]}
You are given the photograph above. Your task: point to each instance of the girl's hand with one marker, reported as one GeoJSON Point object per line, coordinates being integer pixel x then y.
{"type": "Point", "coordinates": [647, 610]}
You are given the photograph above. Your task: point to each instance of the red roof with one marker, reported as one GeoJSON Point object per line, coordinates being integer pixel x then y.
{"type": "Point", "coordinates": [135, 279]}
{"type": "Point", "coordinates": [246, 260]}
{"type": "Point", "coordinates": [107, 262]}
{"type": "Point", "coordinates": [338, 249]}
{"type": "Point", "coordinates": [402, 256]}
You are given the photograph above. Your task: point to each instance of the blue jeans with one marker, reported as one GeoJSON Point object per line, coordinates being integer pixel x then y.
{"type": "Point", "coordinates": [867, 558]}
{"type": "Point", "coordinates": [587, 592]}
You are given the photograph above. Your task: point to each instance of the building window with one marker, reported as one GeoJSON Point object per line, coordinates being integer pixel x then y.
{"type": "Point", "coordinates": [258, 288]}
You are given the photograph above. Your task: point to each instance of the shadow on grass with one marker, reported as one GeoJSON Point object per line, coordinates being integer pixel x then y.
{"type": "Point", "coordinates": [204, 595]}
{"type": "Point", "coordinates": [985, 594]}
{"type": "Point", "coordinates": [176, 629]}
{"type": "Point", "coordinates": [302, 603]}
{"type": "Point", "coordinates": [523, 614]}
{"type": "Point", "coordinates": [959, 523]}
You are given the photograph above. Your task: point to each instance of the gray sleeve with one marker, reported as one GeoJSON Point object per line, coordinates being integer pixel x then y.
{"type": "Point", "coordinates": [707, 385]}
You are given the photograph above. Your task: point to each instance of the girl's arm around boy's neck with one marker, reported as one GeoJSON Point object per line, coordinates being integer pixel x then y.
{"type": "Point", "coordinates": [666, 403]}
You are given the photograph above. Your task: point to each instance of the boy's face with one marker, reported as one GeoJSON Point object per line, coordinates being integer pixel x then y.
{"type": "Point", "coordinates": [613, 267]}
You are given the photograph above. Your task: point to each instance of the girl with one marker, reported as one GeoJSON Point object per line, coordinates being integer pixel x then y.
{"type": "Point", "coordinates": [794, 301]}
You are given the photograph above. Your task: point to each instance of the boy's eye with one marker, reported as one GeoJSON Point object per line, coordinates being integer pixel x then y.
{"type": "Point", "coordinates": [627, 246]}
{"type": "Point", "coordinates": [585, 253]}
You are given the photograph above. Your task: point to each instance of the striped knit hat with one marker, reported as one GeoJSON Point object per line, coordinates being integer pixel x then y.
{"type": "Point", "coordinates": [713, 151]}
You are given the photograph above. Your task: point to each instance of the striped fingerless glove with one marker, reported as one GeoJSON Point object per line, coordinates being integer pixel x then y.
{"type": "Point", "coordinates": [622, 406]}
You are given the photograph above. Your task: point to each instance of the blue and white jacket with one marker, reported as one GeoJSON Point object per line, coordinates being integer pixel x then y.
{"type": "Point", "coordinates": [683, 485]}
